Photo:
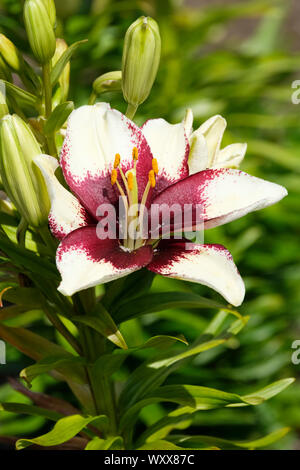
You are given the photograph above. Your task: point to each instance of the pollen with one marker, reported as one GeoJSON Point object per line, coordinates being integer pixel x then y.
{"type": "Point", "coordinates": [114, 176]}
{"type": "Point", "coordinates": [117, 160]}
{"type": "Point", "coordinates": [152, 179]}
{"type": "Point", "coordinates": [135, 154]}
{"type": "Point", "coordinates": [130, 181]}
{"type": "Point", "coordinates": [155, 166]}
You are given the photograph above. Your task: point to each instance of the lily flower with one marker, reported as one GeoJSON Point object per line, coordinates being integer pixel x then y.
{"type": "Point", "coordinates": [205, 145]}
{"type": "Point", "coordinates": [106, 156]}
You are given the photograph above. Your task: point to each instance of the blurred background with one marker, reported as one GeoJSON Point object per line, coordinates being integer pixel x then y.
{"type": "Point", "coordinates": [238, 59]}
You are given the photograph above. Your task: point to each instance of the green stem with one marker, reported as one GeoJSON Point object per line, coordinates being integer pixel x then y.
{"type": "Point", "coordinates": [131, 110]}
{"type": "Point", "coordinates": [48, 239]}
{"type": "Point", "coordinates": [93, 98]}
{"type": "Point", "coordinates": [94, 346]}
{"type": "Point", "coordinates": [58, 324]}
{"type": "Point", "coordinates": [21, 232]}
{"type": "Point", "coordinates": [48, 105]}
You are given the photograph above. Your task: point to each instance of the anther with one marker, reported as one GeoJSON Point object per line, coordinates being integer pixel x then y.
{"type": "Point", "coordinates": [155, 166]}
{"type": "Point", "coordinates": [130, 181]}
{"type": "Point", "coordinates": [135, 154]}
{"type": "Point", "coordinates": [152, 180]}
{"type": "Point", "coordinates": [117, 160]}
{"type": "Point", "coordinates": [114, 176]}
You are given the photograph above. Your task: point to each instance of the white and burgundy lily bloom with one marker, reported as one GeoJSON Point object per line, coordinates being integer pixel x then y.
{"type": "Point", "coordinates": [106, 156]}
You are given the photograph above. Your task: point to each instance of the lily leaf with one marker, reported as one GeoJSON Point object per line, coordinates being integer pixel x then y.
{"type": "Point", "coordinates": [224, 444]}
{"type": "Point", "coordinates": [21, 408]}
{"type": "Point", "coordinates": [66, 366]}
{"type": "Point", "coordinates": [113, 443]}
{"type": "Point", "coordinates": [64, 430]}
{"type": "Point", "coordinates": [156, 302]}
{"type": "Point", "coordinates": [104, 324]}
{"type": "Point", "coordinates": [153, 373]}
{"type": "Point", "coordinates": [31, 344]}
{"type": "Point", "coordinates": [63, 60]}
{"type": "Point", "coordinates": [108, 364]}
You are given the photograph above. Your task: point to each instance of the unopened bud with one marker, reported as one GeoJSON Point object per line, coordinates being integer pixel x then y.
{"type": "Point", "coordinates": [141, 56]}
{"type": "Point", "coordinates": [62, 92]}
{"type": "Point", "coordinates": [10, 54]}
{"type": "Point", "coordinates": [39, 30]}
{"type": "Point", "coordinates": [3, 105]}
{"type": "Point", "coordinates": [22, 179]}
{"type": "Point", "coordinates": [51, 10]}
{"type": "Point", "coordinates": [5, 73]}
{"type": "Point", "coordinates": [111, 81]}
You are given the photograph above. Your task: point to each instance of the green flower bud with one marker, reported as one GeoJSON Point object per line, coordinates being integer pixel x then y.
{"type": "Point", "coordinates": [111, 81]}
{"type": "Point", "coordinates": [5, 73]}
{"type": "Point", "coordinates": [3, 105]}
{"type": "Point", "coordinates": [51, 10]}
{"type": "Point", "coordinates": [62, 92]}
{"type": "Point", "coordinates": [22, 179]}
{"type": "Point", "coordinates": [39, 30]}
{"type": "Point", "coordinates": [10, 54]}
{"type": "Point", "coordinates": [141, 56]}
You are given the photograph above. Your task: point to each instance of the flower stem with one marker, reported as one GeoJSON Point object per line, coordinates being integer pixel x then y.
{"type": "Point", "coordinates": [94, 346]}
{"type": "Point", "coordinates": [48, 106]}
{"type": "Point", "coordinates": [93, 98]}
{"type": "Point", "coordinates": [131, 110]}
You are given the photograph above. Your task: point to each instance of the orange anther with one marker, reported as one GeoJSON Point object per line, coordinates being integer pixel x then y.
{"type": "Point", "coordinates": [152, 179]}
{"type": "Point", "coordinates": [130, 181]}
{"type": "Point", "coordinates": [114, 176]}
{"type": "Point", "coordinates": [155, 166]}
{"type": "Point", "coordinates": [135, 153]}
{"type": "Point", "coordinates": [117, 160]}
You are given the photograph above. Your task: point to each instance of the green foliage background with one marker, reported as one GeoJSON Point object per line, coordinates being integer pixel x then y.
{"type": "Point", "coordinates": [236, 59]}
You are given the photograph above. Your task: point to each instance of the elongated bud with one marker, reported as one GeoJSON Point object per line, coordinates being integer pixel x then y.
{"type": "Point", "coordinates": [10, 54]}
{"type": "Point", "coordinates": [39, 30]}
{"type": "Point", "coordinates": [141, 56]}
{"type": "Point", "coordinates": [51, 10]}
{"type": "Point", "coordinates": [22, 179]}
{"type": "Point", "coordinates": [3, 105]}
{"type": "Point", "coordinates": [5, 73]}
{"type": "Point", "coordinates": [111, 81]}
{"type": "Point", "coordinates": [62, 92]}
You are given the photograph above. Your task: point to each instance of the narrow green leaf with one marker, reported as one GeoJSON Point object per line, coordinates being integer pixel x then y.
{"type": "Point", "coordinates": [113, 443]}
{"type": "Point", "coordinates": [156, 302]}
{"type": "Point", "coordinates": [21, 408]}
{"type": "Point", "coordinates": [58, 117]}
{"type": "Point", "coordinates": [23, 98]}
{"type": "Point", "coordinates": [31, 344]}
{"type": "Point", "coordinates": [66, 366]}
{"type": "Point", "coordinates": [104, 324]}
{"type": "Point", "coordinates": [64, 430]}
{"type": "Point", "coordinates": [224, 444]}
{"type": "Point", "coordinates": [63, 60]}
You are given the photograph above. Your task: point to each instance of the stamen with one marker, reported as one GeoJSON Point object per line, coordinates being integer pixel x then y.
{"type": "Point", "coordinates": [152, 179]}
{"type": "Point", "coordinates": [155, 166]}
{"type": "Point", "coordinates": [117, 160]}
{"type": "Point", "coordinates": [135, 154]}
{"type": "Point", "coordinates": [114, 177]}
{"type": "Point", "coordinates": [130, 181]}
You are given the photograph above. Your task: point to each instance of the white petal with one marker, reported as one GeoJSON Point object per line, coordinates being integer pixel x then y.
{"type": "Point", "coordinates": [85, 261]}
{"type": "Point", "coordinates": [95, 135]}
{"type": "Point", "coordinates": [66, 214]}
{"type": "Point", "coordinates": [213, 130]}
{"type": "Point", "coordinates": [169, 145]}
{"type": "Point", "coordinates": [231, 194]}
{"type": "Point", "coordinates": [210, 265]}
{"type": "Point", "coordinates": [231, 156]}
{"type": "Point", "coordinates": [188, 122]}
{"type": "Point", "coordinates": [198, 158]}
